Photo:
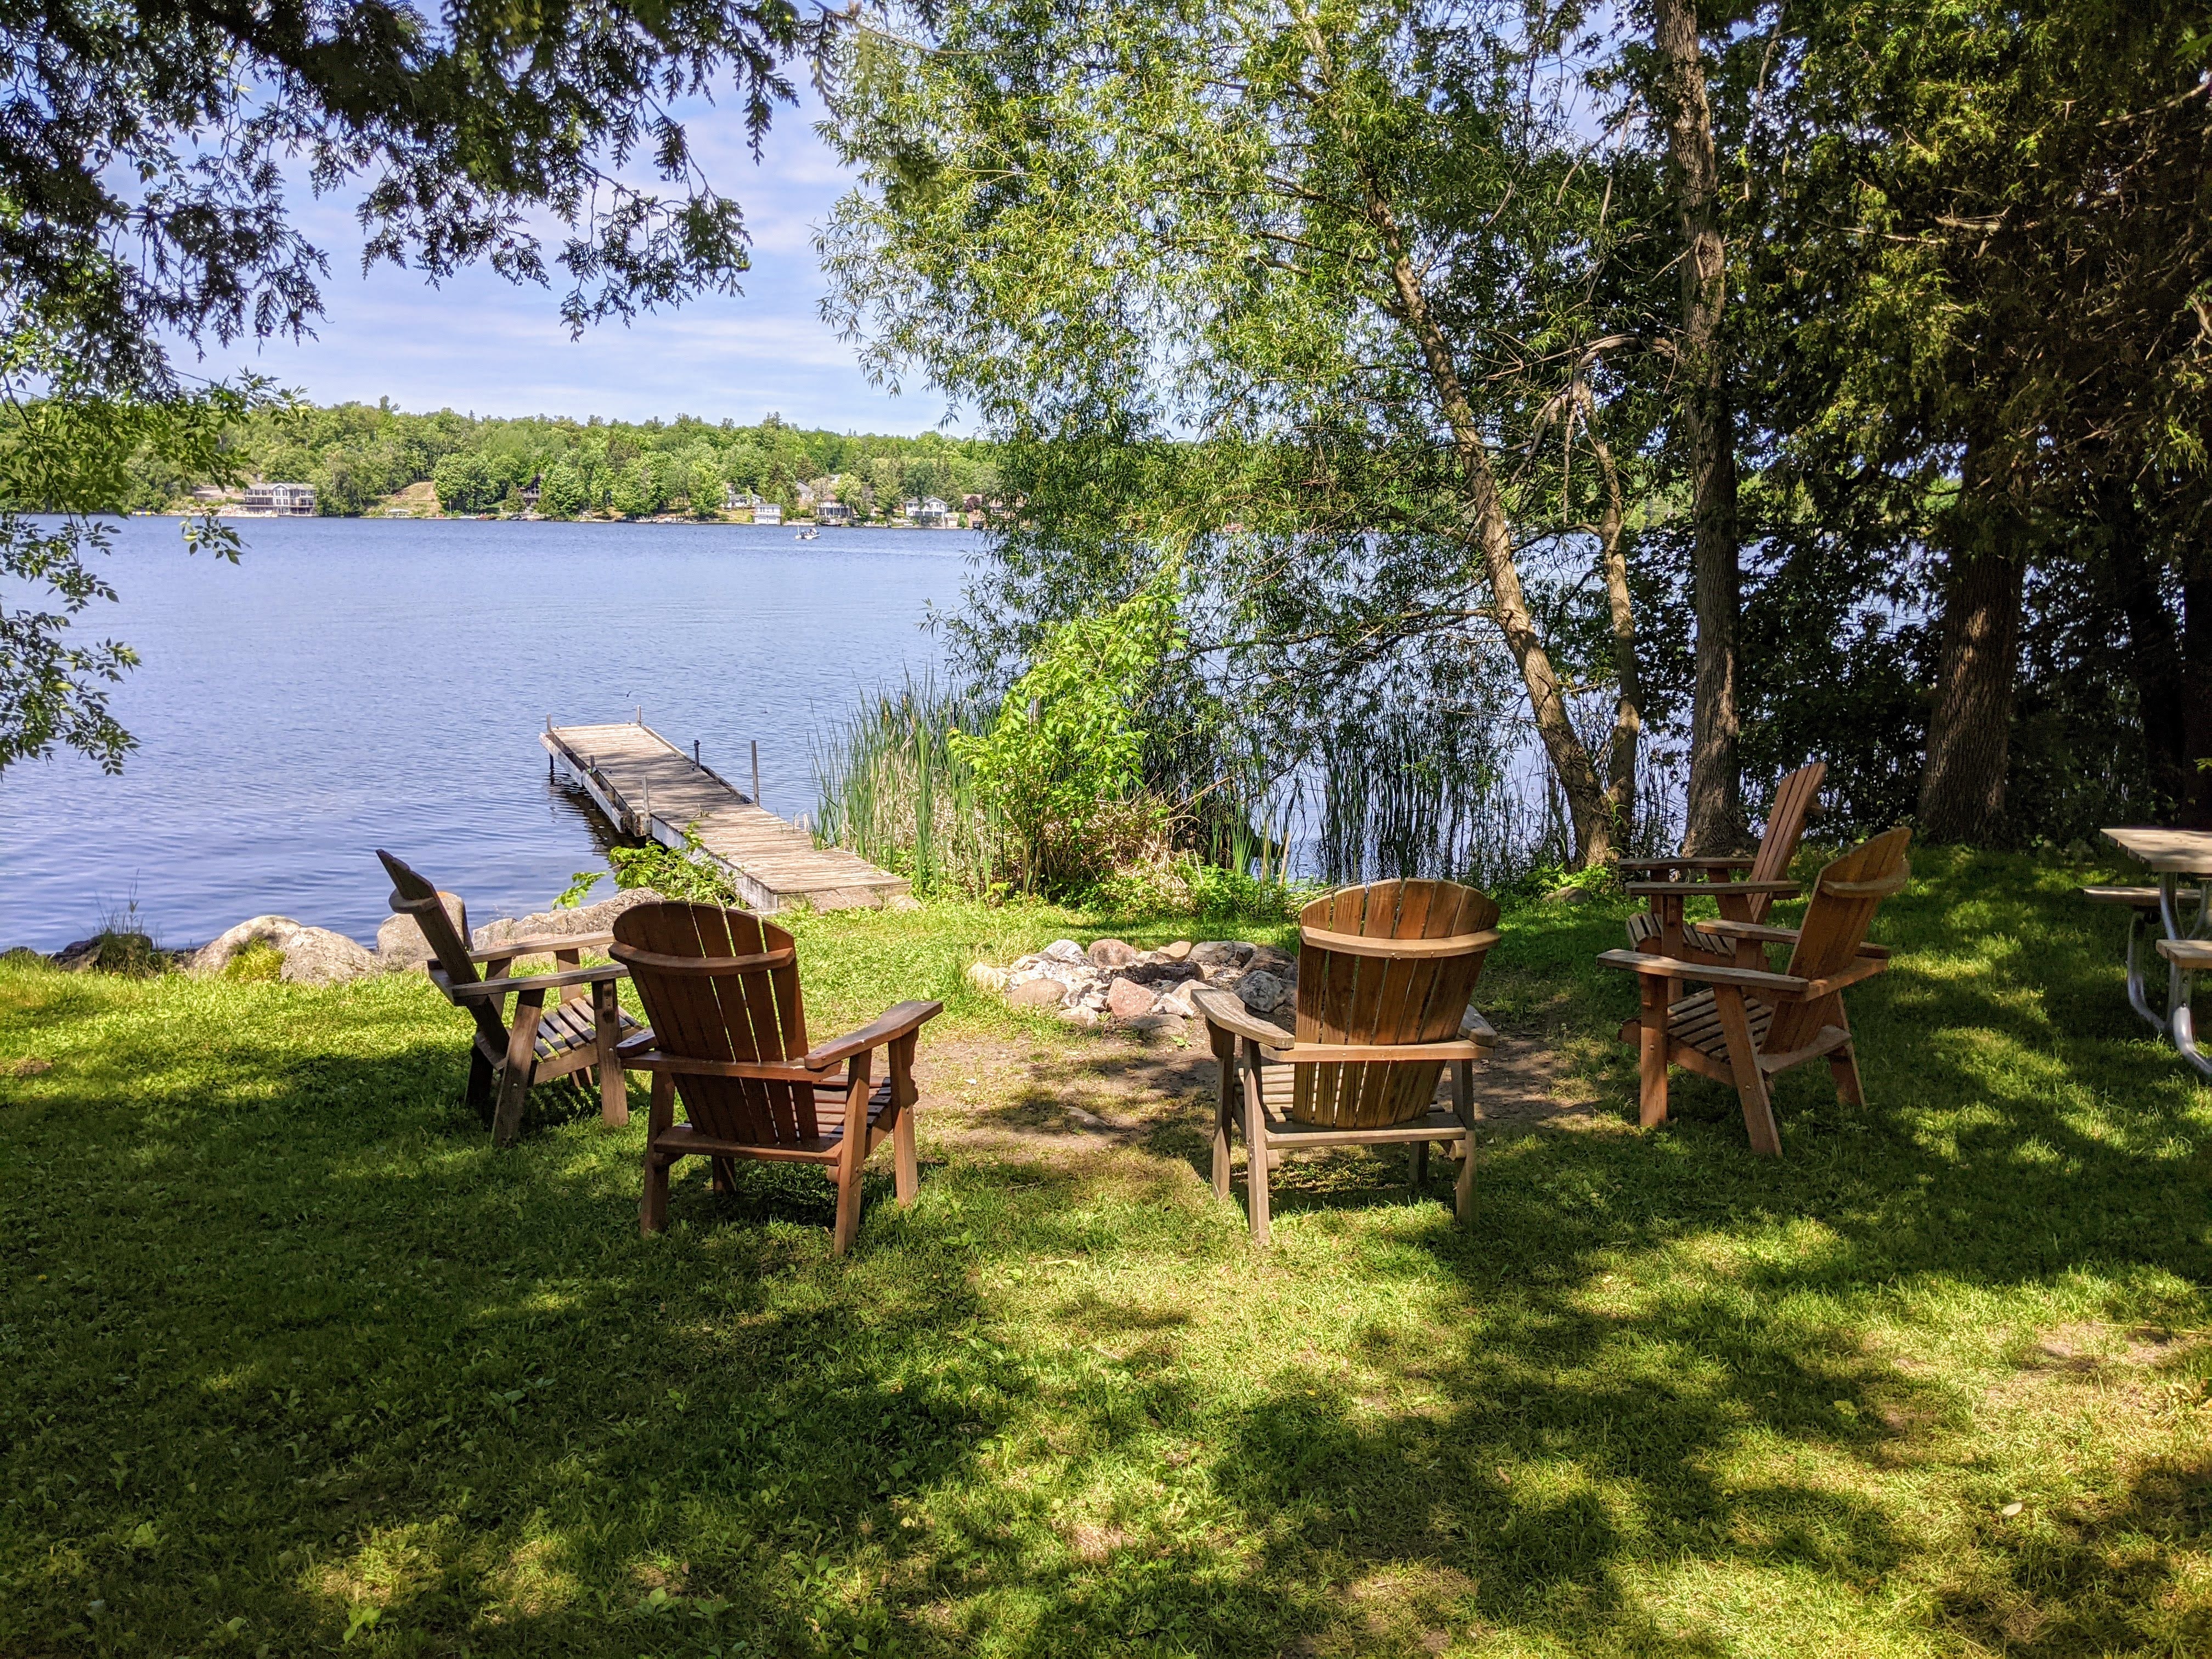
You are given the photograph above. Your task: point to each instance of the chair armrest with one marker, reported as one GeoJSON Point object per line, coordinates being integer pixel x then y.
{"type": "Point", "coordinates": [500, 987]}
{"type": "Point", "coordinates": [1787, 986]}
{"type": "Point", "coordinates": [1732, 861]}
{"type": "Point", "coordinates": [1225, 1012]}
{"type": "Point", "coordinates": [779, 1070]}
{"type": "Point", "coordinates": [637, 1042]}
{"type": "Point", "coordinates": [1357, 1054]}
{"type": "Point", "coordinates": [894, 1024]}
{"type": "Point", "coordinates": [1767, 935]}
{"type": "Point", "coordinates": [1711, 888]}
{"type": "Point", "coordinates": [1860, 967]}
{"type": "Point", "coordinates": [545, 946]}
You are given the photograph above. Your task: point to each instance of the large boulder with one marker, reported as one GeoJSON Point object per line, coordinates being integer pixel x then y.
{"type": "Point", "coordinates": [1221, 953]}
{"type": "Point", "coordinates": [557, 924]}
{"type": "Point", "coordinates": [1038, 992]}
{"type": "Point", "coordinates": [399, 941]}
{"type": "Point", "coordinates": [313, 956]}
{"type": "Point", "coordinates": [1260, 991]}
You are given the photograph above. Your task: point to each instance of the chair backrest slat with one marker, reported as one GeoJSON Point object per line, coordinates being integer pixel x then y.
{"type": "Point", "coordinates": [444, 920]}
{"type": "Point", "coordinates": [1845, 896]}
{"type": "Point", "coordinates": [1352, 996]}
{"type": "Point", "coordinates": [723, 984]}
{"type": "Point", "coordinates": [1794, 801]}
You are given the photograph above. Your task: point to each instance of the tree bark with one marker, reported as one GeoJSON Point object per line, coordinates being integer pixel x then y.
{"type": "Point", "coordinates": [1716, 804]}
{"type": "Point", "coordinates": [2155, 662]}
{"type": "Point", "coordinates": [1628, 702]}
{"type": "Point", "coordinates": [1962, 789]}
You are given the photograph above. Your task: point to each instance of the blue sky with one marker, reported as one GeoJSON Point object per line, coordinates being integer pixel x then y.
{"type": "Point", "coordinates": [479, 343]}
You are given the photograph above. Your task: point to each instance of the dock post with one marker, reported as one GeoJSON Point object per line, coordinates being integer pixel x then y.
{"type": "Point", "coordinates": [756, 799]}
{"type": "Point", "coordinates": [645, 819]}
{"type": "Point", "coordinates": [694, 751]}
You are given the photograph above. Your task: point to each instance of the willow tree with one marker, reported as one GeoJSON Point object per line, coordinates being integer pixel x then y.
{"type": "Point", "coordinates": [1341, 253]}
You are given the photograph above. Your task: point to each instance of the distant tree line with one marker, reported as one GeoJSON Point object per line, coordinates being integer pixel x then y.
{"type": "Point", "coordinates": [357, 454]}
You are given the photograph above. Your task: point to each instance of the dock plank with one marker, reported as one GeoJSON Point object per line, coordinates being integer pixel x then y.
{"type": "Point", "coordinates": [645, 786]}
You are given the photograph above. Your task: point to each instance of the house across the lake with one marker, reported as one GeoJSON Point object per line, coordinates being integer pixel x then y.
{"type": "Point", "coordinates": [768, 512]}
{"type": "Point", "coordinates": [832, 513]}
{"type": "Point", "coordinates": [277, 501]}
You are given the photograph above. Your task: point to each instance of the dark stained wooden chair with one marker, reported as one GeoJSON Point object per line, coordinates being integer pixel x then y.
{"type": "Point", "coordinates": [721, 990]}
{"type": "Point", "coordinates": [1385, 975]}
{"type": "Point", "coordinates": [580, 1032]}
{"type": "Point", "coordinates": [1671, 883]}
{"type": "Point", "coordinates": [1752, 1024]}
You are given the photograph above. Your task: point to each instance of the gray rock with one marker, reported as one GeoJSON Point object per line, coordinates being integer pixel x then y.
{"type": "Point", "coordinates": [1267, 959]}
{"type": "Point", "coordinates": [985, 977]}
{"type": "Point", "coordinates": [1038, 992]}
{"type": "Point", "coordinates": [313, 956]}
{"type": "Point", "coordinates": [1085, 1018]}
{"type": "Point", "coordinates": [1569, 896]}
{"type": "Point", "coordinates": [1178, 1000]}
{"type": "Point", "coordinates": [1064, 950]}
{"type": "Point", "coordinates": [1176, 952]}
{"type": "Point", "coordinates": [1111, 953]}
{"type": "Point", "coordinates": [1260, 991]}
{"type": "Point", "coordinates": [1221, 953]}
{"type": "Point", "coordinates": [1159, 1024]}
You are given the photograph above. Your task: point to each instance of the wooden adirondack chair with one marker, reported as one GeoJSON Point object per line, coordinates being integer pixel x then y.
{"type": "Point", "coordinates": [580, 1030]}
{"type": "Point", "coordinates": [1385, 973]}
{"type": "Point", "coordinates": [1753, 1024]}
{"type": "Point", "coordinates": [1670, 883]}
{"type": "Point", "coordinates": [721, 990]}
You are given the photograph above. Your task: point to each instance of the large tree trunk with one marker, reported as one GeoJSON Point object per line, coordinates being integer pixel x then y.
{"type": "Point", "coordinates": [2196, 678]}
{"type": "Point", "coordinates": [2154, 653]}
{"type": "Point", "coordinates": [1716, 804]}
{"type": "Point", "coordinates": [1962, 790]}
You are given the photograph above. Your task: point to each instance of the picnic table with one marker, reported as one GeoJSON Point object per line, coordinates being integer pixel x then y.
{"type": "Point", "coordinates": [2177, 858]}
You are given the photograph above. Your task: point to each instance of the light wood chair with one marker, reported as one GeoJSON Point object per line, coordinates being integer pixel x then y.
{"type": "Point", "coordinates": [1752, 1023]}
{"type": "Point", "coordinates": [721, 990]}
{"type": "Point", "coordinates": [580, 1030]}
{"type": "Point", "coordinates": [1385, 976]}
{"type": "Point", "coordinates": [1672, 882]}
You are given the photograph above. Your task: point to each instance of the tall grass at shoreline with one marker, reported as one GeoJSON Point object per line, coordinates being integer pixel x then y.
{"type": "Point", "coordinates": [890, 789]}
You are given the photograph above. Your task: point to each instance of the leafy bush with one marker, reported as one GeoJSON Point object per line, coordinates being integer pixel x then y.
{"type": "Point", "coordinates": [688, 873]}
{"type": "Point", "coordinates": [1063, 765]}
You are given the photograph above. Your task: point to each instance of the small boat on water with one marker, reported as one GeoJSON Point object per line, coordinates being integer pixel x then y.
{"type": "Point", "coordinates": [806, 535]}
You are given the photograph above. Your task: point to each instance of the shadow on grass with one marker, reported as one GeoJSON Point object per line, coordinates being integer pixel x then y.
{"type": "Point", "coordinates": [288, 1343]}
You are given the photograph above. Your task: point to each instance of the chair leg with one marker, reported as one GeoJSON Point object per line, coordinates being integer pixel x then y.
{"type": "Point", "coordinates": [653, 1207]}
{"type": "Point", "coordinates": [722, 1175]}
{"type": "Point", "coordinates": [906, 1163]}
{"type": "Point", "coordinates": [1463, 1099]}
{"type": "Point", "coordinates": [521, 1063]}
{"type": "Point", "coordinates": [1651, 1055]}
{"type": "Point", "coordinates": [477, 1096]}
{"type": "Point", "coordinates": [851, 1156]}
{"type": "Point", "coordinates": [606, 1032]}
{"type": "Point", "coordinates": [1843, 1066]}
{"type": "Point", "coordinates": [1750, 1081]}
{"type": "Point", "coordinates": [1225, 1112]}
{"type": "Point", "coordinates": [1255, 1146]}
{"type": "Point", "coordinates": [1417, 1168]}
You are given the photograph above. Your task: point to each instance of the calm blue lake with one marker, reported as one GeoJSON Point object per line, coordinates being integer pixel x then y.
{"type": "Point", "coordinates": [357, 683]}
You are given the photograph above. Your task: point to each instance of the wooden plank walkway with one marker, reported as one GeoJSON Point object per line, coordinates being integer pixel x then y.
{"type": "Point", "coordinates": [645, 786]}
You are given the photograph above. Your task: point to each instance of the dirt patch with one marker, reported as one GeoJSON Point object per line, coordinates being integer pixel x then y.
{"type": "Point", "coordinates": [1023, 1096]}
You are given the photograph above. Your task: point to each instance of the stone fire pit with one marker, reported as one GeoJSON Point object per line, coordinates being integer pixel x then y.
{"type": "Point", "coordinates": [1114, 983]}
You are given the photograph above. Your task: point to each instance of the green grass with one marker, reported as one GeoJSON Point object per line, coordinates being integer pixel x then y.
{"type": "Point", "coordinates": [291, 1361]}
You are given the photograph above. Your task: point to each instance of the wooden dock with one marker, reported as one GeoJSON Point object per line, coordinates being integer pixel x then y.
{"type": "Point", "coordinates": [645, 786]}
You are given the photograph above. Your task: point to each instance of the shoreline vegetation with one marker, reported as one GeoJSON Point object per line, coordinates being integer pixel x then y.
{"type": "Point", "coordinates": [377, 461]}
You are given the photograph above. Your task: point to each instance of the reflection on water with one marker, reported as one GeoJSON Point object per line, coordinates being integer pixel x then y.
{"type": "Point", "coordinates": [354, 684]}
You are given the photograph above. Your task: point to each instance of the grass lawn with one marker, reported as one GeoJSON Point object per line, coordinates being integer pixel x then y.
{"type": "Point", "coordinates": [291, 1361]}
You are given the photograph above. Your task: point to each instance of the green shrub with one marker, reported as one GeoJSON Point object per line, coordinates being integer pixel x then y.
{"type": "Point", "coordinates": [688, 873]}
{"type": "Point", "coordinates": [1063, 765]}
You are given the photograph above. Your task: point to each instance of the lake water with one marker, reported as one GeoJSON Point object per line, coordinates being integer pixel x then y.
{"type": "Point", "coordinates": [358, 683]}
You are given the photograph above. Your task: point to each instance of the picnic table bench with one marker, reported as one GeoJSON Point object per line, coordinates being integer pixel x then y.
{"type": "Point", "coordinates": [2177, 858]}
